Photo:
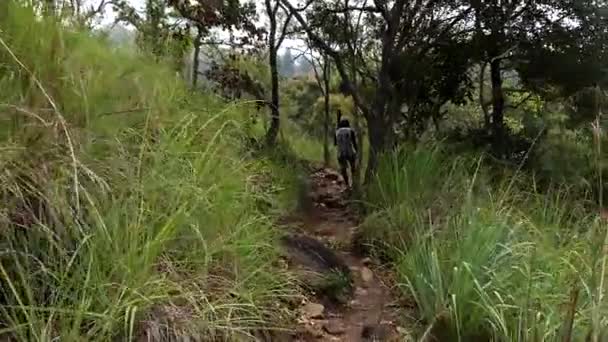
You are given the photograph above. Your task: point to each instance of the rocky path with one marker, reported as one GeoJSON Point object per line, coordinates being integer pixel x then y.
{"type": "Point", "coordinates": [323, 240]}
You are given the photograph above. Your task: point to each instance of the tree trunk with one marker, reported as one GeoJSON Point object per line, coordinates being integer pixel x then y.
{"type": "Point", "coordinates": [482, 100]}
{"type": "Point", "coordinates": [498, 103]}
{"type": "Point", "coordinates": [379, 122]}
{"type": "Point", "coordinates": [360, 135]}
{"type": "Point", "coordinates": [273, 131]}
{"type": "Point", "coordinates": [326, 75]}
{"type": "Point", "coordinates": [376, 129]}
{"type": "Point", "coordinates": [436, 117]}
{"type": "Point", "coordinates": [482, 67]}
{"type": "Point", "coordinates": [195, 58]}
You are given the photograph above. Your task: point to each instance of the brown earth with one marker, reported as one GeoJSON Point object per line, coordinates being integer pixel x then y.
{"type": "Point", "coordinates": [368, 313]}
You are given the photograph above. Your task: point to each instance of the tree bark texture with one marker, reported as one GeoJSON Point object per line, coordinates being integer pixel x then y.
{"type": "Point", "coordinates": [273, 130]}
{"type": "Point", "coordinates": [195, 59]}
{"type": "Point", "coordinates": [326, 132]}
{"type": "Point", "coordinates": [498, 106]}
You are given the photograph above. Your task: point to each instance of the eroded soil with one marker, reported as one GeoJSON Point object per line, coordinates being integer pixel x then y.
{"type": "Point", "coordinates": [368, 313]}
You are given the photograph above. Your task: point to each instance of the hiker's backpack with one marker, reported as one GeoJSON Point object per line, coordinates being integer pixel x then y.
{"type": "Point", "coordinates": [344, 136]}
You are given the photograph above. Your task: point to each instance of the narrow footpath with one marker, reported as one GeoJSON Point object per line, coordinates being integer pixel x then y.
{"type": "Point", "coordinates": [325, 232]}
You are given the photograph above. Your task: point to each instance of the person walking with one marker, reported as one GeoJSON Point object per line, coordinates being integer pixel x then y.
{"type": "Point", "coordinates": [346, 141]}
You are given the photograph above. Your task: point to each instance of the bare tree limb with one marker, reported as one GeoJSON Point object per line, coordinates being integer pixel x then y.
{"type": "Point", "coordinates": [520, 103]}
{"type": "Point", "coordinates": [318, 78]}
{"type": "Point", "coordinates": [302, 53]}
{"type": "Point", "coordinates": [505, 54]}
{"type": "Point", "coordinates": [349, 9]}
{"type": "Point", "coordinates": [98, 9]}
{"type": "Point", "coordinates": [305, 6]}
{"type": "Point", "coordinates": [381, 6]}
{"type": "Point", "coordinates": [284, 31]}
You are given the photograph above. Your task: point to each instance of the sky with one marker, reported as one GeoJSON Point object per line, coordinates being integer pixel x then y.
{"type": "Point", "coordinates": [109, 14]}
{"type": "Point", "coordinates": [109, 17]}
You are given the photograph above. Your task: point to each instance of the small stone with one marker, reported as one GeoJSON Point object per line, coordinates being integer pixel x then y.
{"type": "Point", "coordinates": [366, 275]}
{"type": "Point", "coordinates": [332, 176]}
{"type": "Point", "coordinates": [335, 327]}
{"type": "Point", "coordinates": [318, 322]}
{"type": "Point", "coordinates": [360, 291]}
{"type": "Point", "coordinates": [314, 330]}
{"type": "Point", "coordinates": [313, 310]}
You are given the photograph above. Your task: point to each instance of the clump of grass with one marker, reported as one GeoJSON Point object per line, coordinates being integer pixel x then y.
{"type": "Point", "coordinates": [411, 174]}
{"type": "Point", "coordinates": [306, 147]}
{"type": "Point", "coordinates": [335, 285]}
{"type": "Point", "coordinates": [487, 262]}
{"type": "Point", "coordinates": [404, 194]}
{"type": "Point", "coordinates": [128, 209]}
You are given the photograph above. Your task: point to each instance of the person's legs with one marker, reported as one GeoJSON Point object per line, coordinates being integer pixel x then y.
{"type": "Point", "coordinates": [353, 167]}
{"type": "Point", "coordinates": [343, 169]}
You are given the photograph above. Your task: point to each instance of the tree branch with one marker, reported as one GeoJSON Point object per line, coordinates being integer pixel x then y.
{"type": "Point", "coordinates": [504, 55]}
{"type": "Point", "coordinates": [520, 103]}
{"type": "Point", "coordinates": [330, 52]}
{"type": "Point", "coordinates": [96, 10]}
{"type": "Point", "coordinates": [348, 9]}
{"type": "Point", "coordinates": [381, 6]}
{"type": "Point", "coordinates": [318, 78]}
{"type": "Point", "coordinates": [305, 6]}
{"type": "Point", "coordinates": [302, 53]}
{"type": "Point", "coordinates": [284, 30]}
{"type": "Point", "coordinates": [275, 9]}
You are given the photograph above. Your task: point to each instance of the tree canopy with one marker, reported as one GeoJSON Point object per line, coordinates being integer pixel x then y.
{"type": "Point", "coordinates": [404, 62]}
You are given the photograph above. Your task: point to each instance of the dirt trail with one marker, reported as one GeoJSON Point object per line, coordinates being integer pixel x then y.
{"type": "Point", "coordinates": [368, 313]}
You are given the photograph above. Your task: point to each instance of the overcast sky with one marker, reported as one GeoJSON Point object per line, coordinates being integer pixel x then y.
{"type": "Point", "coordinates": [109, 14]}
{"type": "Point", "coordinates": [109, 17]}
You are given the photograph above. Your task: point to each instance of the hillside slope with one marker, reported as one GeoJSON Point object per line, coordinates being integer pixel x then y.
{"type": "Point", "coordinates": [129, 207]}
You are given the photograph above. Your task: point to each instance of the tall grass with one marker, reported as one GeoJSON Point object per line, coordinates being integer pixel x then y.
{"type": "Point", "coordinates": [128, 208]}
{"type": "Point", "coordinates": [403, 196]}
{"type": "Point", "coordinates": [486, 262]}
{"type": "Point", "coordinates": [305, 146]}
